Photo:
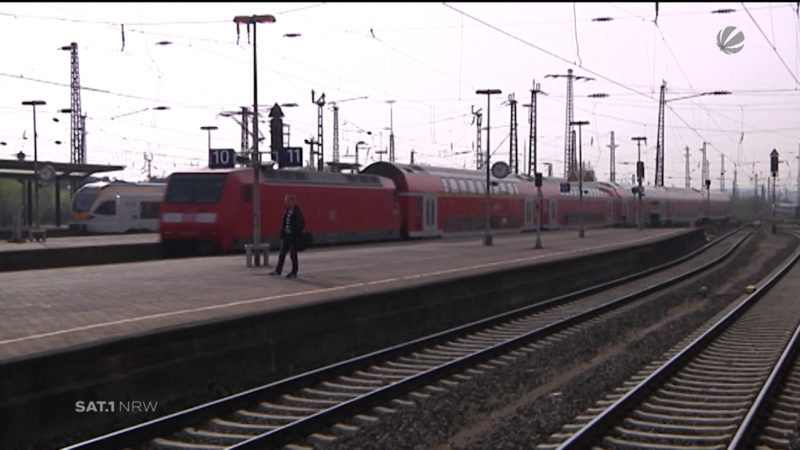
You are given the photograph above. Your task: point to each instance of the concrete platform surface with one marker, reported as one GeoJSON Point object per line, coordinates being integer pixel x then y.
{"type": "Point", "coordinates": [49, 310]}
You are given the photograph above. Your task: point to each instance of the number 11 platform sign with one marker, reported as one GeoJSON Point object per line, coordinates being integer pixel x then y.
{"type": "Point", "coordinates": [290, 157]}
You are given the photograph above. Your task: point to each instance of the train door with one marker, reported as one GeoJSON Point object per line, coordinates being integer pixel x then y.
{"type": "Point", "coordinates": [429, 215]}
{"type": "Point", "coordinates": [609, 212]}
{"type": "Point", "coordinates": [529, 209]}
{"type": "Point", "coordinates": [552, 206]}
{"type": "Point", "coordinates": [625, 211]}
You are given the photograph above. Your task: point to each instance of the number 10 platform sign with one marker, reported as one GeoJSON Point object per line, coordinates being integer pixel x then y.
{"type": "Point", "coordinates": [221, 158]}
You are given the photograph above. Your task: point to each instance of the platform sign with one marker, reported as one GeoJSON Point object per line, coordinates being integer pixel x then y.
{"type": "Point", "coordinates": [290, 157]}
{"type": "Point", "coordinates": [221, 158]}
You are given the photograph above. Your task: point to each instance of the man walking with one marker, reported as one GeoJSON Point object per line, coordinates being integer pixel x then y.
{"type": "Point", "coordinates": [292, 227]}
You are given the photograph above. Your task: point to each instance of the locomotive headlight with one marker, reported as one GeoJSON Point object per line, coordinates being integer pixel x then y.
{"type": "Point", "coordinates": [172, 218]}
{"type": "Point", "coordinates": [206, 217]}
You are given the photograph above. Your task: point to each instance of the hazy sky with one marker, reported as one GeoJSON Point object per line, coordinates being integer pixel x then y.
{"type": "Point", "coordinates": [429, 58]}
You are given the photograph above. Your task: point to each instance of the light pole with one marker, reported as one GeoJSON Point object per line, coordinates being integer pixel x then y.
{"type": "Point", "coordinates": [639, 177]}
{"type": "Point", "coordinates": [357, 144]}
{"type": "Point", "coordinates": [391, 129]}
{"type": "Point", "coordinates": [34, 104]}
{"type": "Point", "coordinates": [580, 124]}
{"type": "Point", "coordinates": [487, 240]}
{"type": "Point", "coordinates": [209, 128]}
{"type": "Point", "coordinates": [256, 159]}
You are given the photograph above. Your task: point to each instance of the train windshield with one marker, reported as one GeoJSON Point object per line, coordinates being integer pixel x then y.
{"type": "Point", "coordinates": [195, 188]}
{"type": "Point", "coordinates": [84, 199]}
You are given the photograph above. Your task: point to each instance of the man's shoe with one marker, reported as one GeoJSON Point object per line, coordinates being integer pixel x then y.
{"type": "Point", "coordinates": [291, 275]}
{"type": "Point", "coordinates": [275, 274]}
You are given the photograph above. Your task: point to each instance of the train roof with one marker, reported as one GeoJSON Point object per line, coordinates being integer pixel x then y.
{"type": "Point", "coordinates": [383, 167]}
{"type": "Point", "coordinates": [300, 176]}
{"type": "Point", "coordinates": [106, 184]}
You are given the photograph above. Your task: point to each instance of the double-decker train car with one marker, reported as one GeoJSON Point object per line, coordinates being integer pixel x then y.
{"type": "Point", "coordinates": [117, 206]}
{"type": "Point", "coordinates": [439, 202]}
{"type": "Point", "coordinates": [389, 201]}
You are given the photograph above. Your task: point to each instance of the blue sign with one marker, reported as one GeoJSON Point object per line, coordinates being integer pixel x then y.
{"type": "Point", "coordinates": [290, 157]}
{"type": "Point", "coordinates": [565, 187]}
{"type": "Point", "coordinates": [221, 158]}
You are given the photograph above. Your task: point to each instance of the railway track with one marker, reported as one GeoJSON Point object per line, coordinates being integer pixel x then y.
{"type": "Point", "coordinates": [312, 408]}
{"type": "Point", "coordinates": [735, 384]}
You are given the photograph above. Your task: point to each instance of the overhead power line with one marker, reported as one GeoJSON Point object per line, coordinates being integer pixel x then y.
{"type": "Point", "coordinates": [512, 36]}
{"type": "Point", "coordinates": [797, 82]}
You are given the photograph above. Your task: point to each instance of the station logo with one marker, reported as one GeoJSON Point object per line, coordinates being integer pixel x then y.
{"type": "Point", "coordinates": [110, 406]}
{"type": "Point", "coordinates": [728, 44]}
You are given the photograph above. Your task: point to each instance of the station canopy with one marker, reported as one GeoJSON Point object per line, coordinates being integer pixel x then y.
{"type": "Point", "coordinates": [24, 170]}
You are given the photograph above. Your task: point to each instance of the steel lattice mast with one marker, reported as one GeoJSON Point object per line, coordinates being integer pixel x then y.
{"type": "Point", "coordinates": [320, 102]}
{"type": "Point", "coordinates": [476, 119]}
{"type": "Point", "coordinates": [570, 160]}
{"type": "Point", "coordinates": [612, 161]}
{"type": "Point", "coordinates": [532, 129]}
{"type": "Point", "coordinates": [513, 148]}
{"type": "Point", "coordinates": [659, 179]}
{"type": "Point", "coordinates": [335, 132]}
{"type": "Point", "coordinates": [77, 145]}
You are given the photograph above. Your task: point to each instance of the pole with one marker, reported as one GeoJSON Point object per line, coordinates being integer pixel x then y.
{"type": "Point", "coordinates": [209, 128]}
{"type": "Point", "coordinates": [256, 159]}
{"type": "Point", "coordinates": [612, 148]}
{"type": "Point", "coordinates": [580, 180]}
{"type": "Point", "coordinates": [639, 177]}
{"type": "Point", "coordinates": [33, 104]}
{"type": "Point", "coordinates": [487, 240]}
{"type": "Point", "coordinates": [488, 236]}
{"type": "Point", "coordinates": [580, 124]}
{"type": "Point", "coordinates": [538, 178]}
{"type": "Point", "coordinates": [539, 220]}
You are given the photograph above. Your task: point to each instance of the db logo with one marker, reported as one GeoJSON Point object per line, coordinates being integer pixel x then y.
{"type": "Point", "coordinates": [727, 44]}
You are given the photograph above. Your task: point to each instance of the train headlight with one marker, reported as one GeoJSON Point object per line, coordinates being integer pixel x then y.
{"type": "Point", "coordinates": [206, 217]}
{"type": "Point", "coordinates": [172, 217]}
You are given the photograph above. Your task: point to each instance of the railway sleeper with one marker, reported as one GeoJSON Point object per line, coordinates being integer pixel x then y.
{"type": "Point", "coordinates": [169, 444]}
{"type": "Point", "coordinates": [632, 423]}
{"type": "Point", "coordinates": [269, 419]}
{"type": "Point", "coordinates": [677, 439]}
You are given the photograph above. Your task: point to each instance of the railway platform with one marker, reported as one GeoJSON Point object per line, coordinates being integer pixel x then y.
{"type": "Point", "coordinates": [51, 310]}
{"type": "Point", "coordinates": [72, 250]}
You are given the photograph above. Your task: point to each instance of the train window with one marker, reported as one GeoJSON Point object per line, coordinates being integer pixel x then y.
{"type": "Point", "coordinates": [445, 187]}
{"type": "Point", "coordinates": [195, 188]}
{"type": "Point", "coordinates": [84, 199]}
{"type": "Point", "coordinates": [107, 208]}
{"type": "Point", "coordinates": [453, 185]}
{"type": "Point", "coordinates": [149, 210]}
{"type": "Point", "coordinates": [462, 186]}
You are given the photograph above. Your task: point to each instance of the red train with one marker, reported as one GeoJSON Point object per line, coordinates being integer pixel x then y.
{"type": "Point", "coordinates": [387, 201]}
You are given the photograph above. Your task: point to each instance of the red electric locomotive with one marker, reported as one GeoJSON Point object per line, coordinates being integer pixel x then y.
{"type": "Point", "coordinates": [215, 207]}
